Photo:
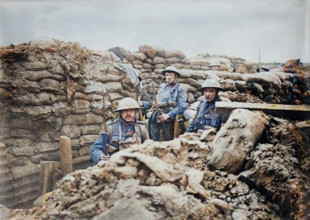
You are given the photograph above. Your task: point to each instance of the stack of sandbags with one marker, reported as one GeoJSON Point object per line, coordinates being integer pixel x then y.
{"type": "Point", "coordinates": [243, 85]}
{"type": "Point", "coordinates": [48, 89]}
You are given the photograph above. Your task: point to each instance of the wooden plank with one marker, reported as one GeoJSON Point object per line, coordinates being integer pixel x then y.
{"type": "Point", "coordinates": [65, 155]}
{"type": "Point", "coordinates": [46, 175]}
{"type": "Point", "coordinates": [296, 112]}
{"type": "Point", "coordinates": [176, 132]}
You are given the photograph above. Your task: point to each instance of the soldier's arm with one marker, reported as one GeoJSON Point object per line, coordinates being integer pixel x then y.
{"type": "Point", "coordinates": [191, 127]}
{"type": "Point", "coordinates": [146, 101]}
{"type": "Point", "coordinates": [97, 148]}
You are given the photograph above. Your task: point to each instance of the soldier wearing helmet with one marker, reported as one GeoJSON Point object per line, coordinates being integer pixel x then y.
{"type": "Point", "coordinates": [171, 100]}
{"type": "Point", "coordinates": [214, 65]}
{"type": "Point", "coordinates": [206, 115]}
{"type": "Point", "coordinates": [123, 131]}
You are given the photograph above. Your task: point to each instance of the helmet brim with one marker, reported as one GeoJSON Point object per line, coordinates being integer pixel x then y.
{"type": "Point", "coordinates": [121, 109]}
{"type": "Point", "coordinates": [217, 88]}
{"type": "Point", "coordinates": [164, 72]}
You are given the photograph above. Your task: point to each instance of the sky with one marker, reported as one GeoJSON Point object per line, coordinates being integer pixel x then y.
{"type": "Point", "coordinates": [279, 29]}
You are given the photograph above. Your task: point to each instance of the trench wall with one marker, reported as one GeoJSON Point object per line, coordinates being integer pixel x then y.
{"type": "Point", "coordinates": [51, 89]}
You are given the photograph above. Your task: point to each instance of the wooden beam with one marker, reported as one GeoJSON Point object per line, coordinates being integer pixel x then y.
{"type": "Point", "coordinates": [176, 132]}
{"type": "Point", "coordinates": [296, 112]}
{"type": "Point", "coordinates": [65, 155]}
{"type": "Point", "coordinates": [46, 175]}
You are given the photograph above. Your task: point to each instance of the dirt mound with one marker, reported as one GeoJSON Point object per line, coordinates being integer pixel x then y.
{"type": "Point", "coordinates": [168, 180]}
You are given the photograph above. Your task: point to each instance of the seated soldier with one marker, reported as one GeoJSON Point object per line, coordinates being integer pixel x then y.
{"type": "Point", "coordinates": [206, 114]}
{"type": "Point", "coordinates": [123, 131]}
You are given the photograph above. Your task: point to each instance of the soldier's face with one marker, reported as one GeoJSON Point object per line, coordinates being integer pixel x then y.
{"type": "Point", "coordinates": [170, 77]}
{"type": "Point", "coordinates": [215, 68]}
{"type": "Point", "coordinates": [128, 115]}
{"type": "Point", "coordinates": [210, 94]}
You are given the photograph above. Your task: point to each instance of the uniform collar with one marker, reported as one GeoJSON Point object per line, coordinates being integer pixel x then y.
{"type": "Point", "coordinates": [123, 122]}
{"type": "Point", "coordinates": [171, 85]}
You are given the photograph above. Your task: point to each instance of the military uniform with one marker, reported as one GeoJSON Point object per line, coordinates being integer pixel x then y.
{"type": "Point", "coordinates": [117, 132]}
{"type": "Point", "coordinates": [171, 100]}
{"type": "Point", "coordinates": [206, 115]}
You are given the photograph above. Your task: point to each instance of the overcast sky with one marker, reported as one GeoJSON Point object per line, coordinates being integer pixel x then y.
{"type": "Point", "coordinates": [280, 28]}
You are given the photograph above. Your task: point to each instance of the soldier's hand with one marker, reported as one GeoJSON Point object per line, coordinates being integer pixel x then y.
{"type": "Point", "coordinates": [173, 104]}
{"type": "Point", "coordinates": [105, 157]}
{"type": "Point", "coordinates": [163, 117]}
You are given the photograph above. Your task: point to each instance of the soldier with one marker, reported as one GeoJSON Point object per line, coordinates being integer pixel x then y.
{"type": "Point", "coordinates": [171, 101]}
{"type": "Point", "coordinates": [206, 114]}
{"type": "Point", "coordinates": [122, 132]}
{"type": "Point", "coordinates": [214, 65]}
{"type": "Point", "coordinates": [262, 69]}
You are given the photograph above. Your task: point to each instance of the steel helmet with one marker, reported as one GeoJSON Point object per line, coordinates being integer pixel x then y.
{"type": "Point", "coordinates": [214, 63]}
{"type": "Point", "coordinates": [265, 68]}
{"type": "Point", "coordinates": [211, 83]}
{"type": "Point", "coordinates": [127, 103]}
{"type": "Point", "coordinates": [171, 69]}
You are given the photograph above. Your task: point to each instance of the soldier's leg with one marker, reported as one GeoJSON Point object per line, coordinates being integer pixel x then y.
{"type": "Point", "coordinates": [154, 127]}
{"type": "Point", "coordinates": [167, 129]}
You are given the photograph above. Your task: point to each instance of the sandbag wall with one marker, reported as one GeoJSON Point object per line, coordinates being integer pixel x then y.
{"type": "Point", "coordinates": [47, 90]}
{"type": "Point", "coordinates": [243, 85]}
{"type": "Point", "coordinates": [53, 88]}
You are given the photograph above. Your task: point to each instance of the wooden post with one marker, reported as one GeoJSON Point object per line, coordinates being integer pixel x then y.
{"type": "Point", "coordinates": [46, 175]}
{"type": "Point", "coordinates": [176, 132]}
{"type": "Point", "coordinates": [65, 155]}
